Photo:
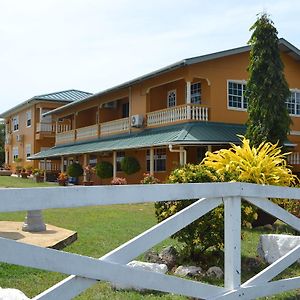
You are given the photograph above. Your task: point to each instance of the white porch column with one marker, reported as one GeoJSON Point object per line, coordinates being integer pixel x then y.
{"type": "Point", "coordinates": [6, 157]}
{"type": "Point", "coordinates": [45, 172]}
{"type": "Point", "coordinates": [114, 164]}
{"type": "Point", "coordinates": [85, 162]}
{"type": "Point", "coordinates": [188, 99]}
{"type": "Point", "coordinates": [151, 161]}
{"type": "Point", "coordinates": [209, 148]}
{"type": "Point", "coordinates": [182, 156]}
{"type": "Point", "coordinates": [56, 126]}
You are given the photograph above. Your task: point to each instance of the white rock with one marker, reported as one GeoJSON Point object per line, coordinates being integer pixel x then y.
{"type": "Point", "coordinates": [273, 246]}
{"type": "Point", "coordinates": [158, 268]}
{"type": "Point", "coordinates": [215, 272]}
{"type": "Point", "coordinates": [12, 294]}
{"type": "Point", "coordinates": [188, 271]}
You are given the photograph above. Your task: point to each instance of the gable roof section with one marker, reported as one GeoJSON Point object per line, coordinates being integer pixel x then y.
{"type": "Point", "coordinates": [283, 44]}
{"type": "Point", "coordinates": [195, 133]}
{"type": "Point", "coordinates": [68, 96]}
{"type": "Point", "coordinates": [63, 96]}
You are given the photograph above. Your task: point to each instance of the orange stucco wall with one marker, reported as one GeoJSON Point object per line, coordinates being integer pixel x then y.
{"type": "Point", "coordinates": [28, 133]}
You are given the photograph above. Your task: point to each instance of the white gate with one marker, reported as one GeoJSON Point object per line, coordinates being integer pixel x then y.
{"type": "Point", "coordinates": [85, 271]}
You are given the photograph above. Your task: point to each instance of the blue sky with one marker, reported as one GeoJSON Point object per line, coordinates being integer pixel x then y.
{"type": "Point", "coordinates": [91, 45]}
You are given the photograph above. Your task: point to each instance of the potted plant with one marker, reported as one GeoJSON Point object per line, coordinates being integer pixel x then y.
{"type": "Point", "coordinates": [119, 181]}
{"type": "Point", "coordinates": [37, 175]}
{"type": "Point", "coordinates": [18, 160]}
{"type": "Point", "coordinates": [62, 179]}
{"type": "Point", "coordinates": [88, 172]}
{"type": "Point", "coordinates": [29, 170]}
{"type": "Point", "coordinates": [24, 174]}
{"type": "Point", "coordinates": [75, 170]}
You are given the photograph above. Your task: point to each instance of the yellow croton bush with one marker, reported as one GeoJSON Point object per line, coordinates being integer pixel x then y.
{"type": "Point", "coordinates": [264, 165]}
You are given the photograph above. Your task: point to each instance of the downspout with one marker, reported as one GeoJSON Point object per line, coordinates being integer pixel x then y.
{"type": "Point", "coordinates": [182, 152]}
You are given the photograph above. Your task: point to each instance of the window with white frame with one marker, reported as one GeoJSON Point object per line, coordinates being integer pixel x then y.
{"type": "Point", "coordinates": [28, 118]}
{"type": "Point", "coordinates": [236, 95]}
{"type": "Point", "coordinates": [160, 159]}
{"type": "Point", "coordinates": [15, 153]}
{"type": "Point", "coordinates": [15, 123]}
{"type": "Point", "coordinates": [171, 98]}
{"type": "Point", "coordinates": [28, 150]}
{"type": "Point", "coordinates": [196, 93]}
{"type": "Point", "coordinates": [293, 103]}
{"type": "Point", "coordinates": [120, 156]}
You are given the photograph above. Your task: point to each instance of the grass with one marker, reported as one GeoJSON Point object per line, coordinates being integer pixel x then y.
{"type": "Point", "coordinates": [101, 229]}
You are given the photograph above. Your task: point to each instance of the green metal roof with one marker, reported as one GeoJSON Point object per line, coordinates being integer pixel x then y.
{"type": "Point", "coordinates": [63, 96]}
{"type": "Point", "coordinates": [68, 96]}
{"type": "Point", "coordinates": [184, 134]}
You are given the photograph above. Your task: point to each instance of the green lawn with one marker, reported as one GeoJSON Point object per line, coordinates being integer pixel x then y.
{"type": "Point", "coordinates": [101, 229]}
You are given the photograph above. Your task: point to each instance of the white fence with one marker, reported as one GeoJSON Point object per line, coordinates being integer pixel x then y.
{"type": "Point", "coordinates": [85, 271]}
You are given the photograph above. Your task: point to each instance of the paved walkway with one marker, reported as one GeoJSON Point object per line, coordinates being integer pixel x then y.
{"type": "Point", "coordinates": [54, 237]}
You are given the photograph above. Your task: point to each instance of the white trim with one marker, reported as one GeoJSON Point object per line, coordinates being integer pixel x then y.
{"type": "Point", "coordinates": [295, 132]}
{"type": "Point", "coordinates": [15, 152]}
{"type": "Point", "coordinates": [27, 119]}
{"type": "Point", "coordinates": [243, 81]}
{"type": "Point", "coordinates": [200, 92]}
{"type": "Point", "coordinates": [28, 146]}
{"type": "Point", "coordinates": [168, 94]}
{"type": "Point", "coordinates": [15, 117]}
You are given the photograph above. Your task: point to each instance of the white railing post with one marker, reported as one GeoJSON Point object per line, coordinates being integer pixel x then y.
{"type": "Point", "coordinates": [188, 99]}
{"type": "Point", "coordinates": [232, 241]}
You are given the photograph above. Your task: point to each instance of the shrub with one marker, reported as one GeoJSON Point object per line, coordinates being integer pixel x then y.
{"type": "Point", "coordinates": [130, 165]}
{"type": "Point", "coordinates": [104, 169]}
{"type": "Point", "coordinates": [205, 232]}
{"type": "Point", "coordinates": [119, 181]}
{"type": "Point", "coordinates": [265, 164]}
{"type": "Point", "coordinates": [149, 179]}
{"type": "Point", "coordinates": [75, 170]}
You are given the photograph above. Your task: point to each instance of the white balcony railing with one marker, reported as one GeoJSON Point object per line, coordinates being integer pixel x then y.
{"type": "Point", "coordinates": [85, 271]}
{"type": "Point", "coordinates": [63, 127]}
{"type": "Point", "coordinates": [65, 137]}
{"type": "Point", "coordinates": [294, 158]}
{"type": "Point", "coordinates": [177, 113]}
{"type": "Point", "coordinates": [51, 127]}
{"type": "Point", "coordinates": [46, 127]}
{"type": "Point", "coordinates": [116, 126]}
{"type": "Point", "coordinates": [88, 132]}
{"type": "Point", "coordinates": [49, 166]}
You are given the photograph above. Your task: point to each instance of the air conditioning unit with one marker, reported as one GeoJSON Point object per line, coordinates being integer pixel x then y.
{"type": "Point", "coordinates": [19, 137]}
{"type": "Point", "coordinates": [112, 104]}
{"type": "Point", "coordinates": [136, 121]}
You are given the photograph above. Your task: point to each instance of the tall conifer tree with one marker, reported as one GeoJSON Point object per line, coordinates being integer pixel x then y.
{"type": "Point", "coordinates": [267, 89]}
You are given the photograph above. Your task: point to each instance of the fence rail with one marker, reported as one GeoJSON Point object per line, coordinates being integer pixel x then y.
{"type": "Point", "coordinates": [85, 271]}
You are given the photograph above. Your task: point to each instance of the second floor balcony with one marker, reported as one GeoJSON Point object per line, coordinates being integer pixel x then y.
{"type": "Point", "coordinates": [168, 116]}
{"type": "Point", "coordinates": [93, 131]}
{"type": "Point", "coordinates": [179, 113]}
